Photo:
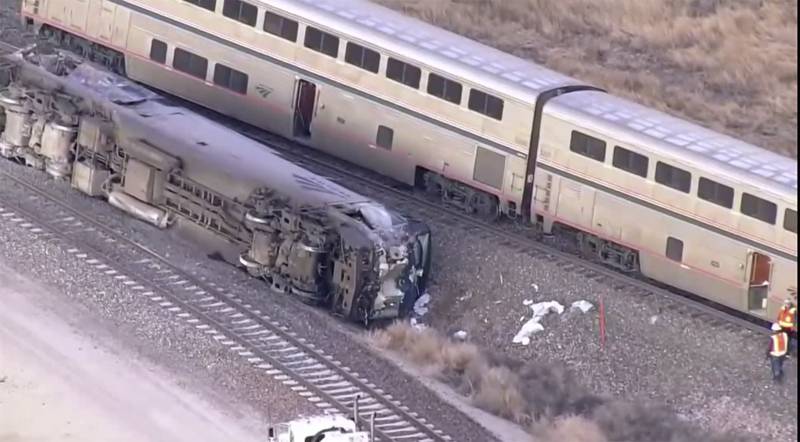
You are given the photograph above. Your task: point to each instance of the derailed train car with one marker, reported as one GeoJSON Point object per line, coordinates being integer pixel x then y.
{"type": "Point", "coordinates": [164, 164]}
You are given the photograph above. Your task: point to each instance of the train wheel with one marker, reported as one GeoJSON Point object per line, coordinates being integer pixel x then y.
{"type": "Point", "coordinates": [484, 206]}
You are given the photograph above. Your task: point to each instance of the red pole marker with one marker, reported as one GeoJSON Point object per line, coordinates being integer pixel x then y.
{"type": "Point", "coordinates": [602, 323]}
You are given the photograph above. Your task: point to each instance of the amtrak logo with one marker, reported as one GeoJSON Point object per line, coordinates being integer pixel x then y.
{"type": "Point", "coordinates": [263, 90]}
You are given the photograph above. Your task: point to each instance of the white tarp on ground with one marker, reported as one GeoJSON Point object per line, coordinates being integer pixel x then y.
{"type": "Point", "coordinates": [421, 306]}
{"type": "Point", "coordinates": [540, 310]}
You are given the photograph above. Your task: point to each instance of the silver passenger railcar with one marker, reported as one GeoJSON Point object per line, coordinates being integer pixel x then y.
{"type": "Point", "coordinates": [167, 165]}
{"type": "Point", "coordinates": [490, 132]}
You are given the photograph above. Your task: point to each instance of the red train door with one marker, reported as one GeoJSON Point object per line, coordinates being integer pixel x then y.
{"type": "Point", "coordinates": [760, 273]}
{"type": "Point", "coordinates": [304, 103]}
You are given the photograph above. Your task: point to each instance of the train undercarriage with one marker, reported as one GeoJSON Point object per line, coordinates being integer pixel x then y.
{"type": "Point", "coordinates": [326, 255]}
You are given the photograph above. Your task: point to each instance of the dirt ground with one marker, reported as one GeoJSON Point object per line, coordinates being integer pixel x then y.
{"type": "Point", "coordinates": [726, 64]}
{"type": "Point", "coordinates": [61, 380]}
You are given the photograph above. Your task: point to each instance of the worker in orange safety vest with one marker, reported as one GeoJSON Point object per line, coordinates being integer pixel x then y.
{"type": "Point", "coordinates": [778, 348]}
{"type": "Point", "coordinates": [787, 316]}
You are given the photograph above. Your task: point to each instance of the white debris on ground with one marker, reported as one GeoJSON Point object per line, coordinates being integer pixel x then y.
{"type": "Point", "coordinates": [461, 335]}
{"type": "Point", "coordinates": [533, 326]}
{"type": "Point", "coordinates": [653, 319]}
{"type": "Point", "coordinates": [421, 306]}
{"type": "Point", "coordinates": [581, 305]}
{"type": "Point", "coordinates": [540, 310]}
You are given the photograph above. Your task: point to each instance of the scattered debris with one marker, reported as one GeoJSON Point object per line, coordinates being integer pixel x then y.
{"type": "Point", "coordinates": [417, 325]}
{"type": "Point", "coordinates": [533, 326]}
{"type": "Point", "coordinates": [535, 287]}
{"type": "Point", "coordinates": [653, 319]}
{"type": "Point", "coordinates": [460, 335]}
{"type": "Point", "coordinates": [421, 306]}
{"type": "Point", "coordinates": [582, 305]}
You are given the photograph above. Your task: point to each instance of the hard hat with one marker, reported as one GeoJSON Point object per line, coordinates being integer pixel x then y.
{"type": "Point", "coordinates": [776, 327]}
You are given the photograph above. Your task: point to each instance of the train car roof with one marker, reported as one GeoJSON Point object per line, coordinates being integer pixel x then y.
{"type": "Point", "coordinates": [420, 43]}
{"type": "Point", "coordinates": [672, 137]}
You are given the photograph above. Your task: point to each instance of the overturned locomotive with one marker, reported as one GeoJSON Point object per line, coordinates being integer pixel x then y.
{"type": "Point", "coordinates": [166, 165]}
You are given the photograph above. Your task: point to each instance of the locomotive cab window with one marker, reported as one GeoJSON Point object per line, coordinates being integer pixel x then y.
{"type": "Point", "coordinates": [758, 208]}
{"type": "Point", "coordinates": [674, 249]}
{"type": "Point", "coordinates": [365, 58]}
{"type": "Point", "coordinates": [281, 26]}
{"type": "Point", "coordinates": [404, 73]}
{"type": "Point", "coordinates": [323, 42]}
{"type": "Point", "coordinates": [790, 220]}
{"type": "Point", "coordinates": [486, 104]}
{"type": "Point", "coordinates": [240, 11]}
{"type": "Point", "coordinates": [230, 78]}
{"type": "Point", "coordinates": [189, 63]}
{"type": "Point", "coordinates": [205, 4]}
{"type": "Point", "coordinates": [630, 161]}
{"type": "Point", "coordinates": [385, 138]}
{"type": "Point", "coordinates": [445, 89]}
{"type": "Point", "coordinates": [716, 193]}
{"type": "Point", "coordinates": [673, 177]}
{"type": "Point", "coordinates": [158, 51]}
{"type": "Point", "coordinates": [587, 146]}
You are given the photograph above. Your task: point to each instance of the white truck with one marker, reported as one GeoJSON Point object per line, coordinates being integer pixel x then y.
{"type": "Point", "coordinates": [324, 428]}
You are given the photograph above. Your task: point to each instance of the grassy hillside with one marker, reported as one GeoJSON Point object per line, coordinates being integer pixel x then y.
{"type": "Point", "coordinates": [726, 64]}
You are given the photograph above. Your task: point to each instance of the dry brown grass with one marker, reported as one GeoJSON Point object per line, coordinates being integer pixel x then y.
{"type": "Point", "coordinates": [727, 64]}
{"type": "Point", "coordinates": [546, 398]}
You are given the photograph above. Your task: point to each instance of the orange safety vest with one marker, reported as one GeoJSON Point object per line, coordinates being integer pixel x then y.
{"type": "Point", "coordinates": [779, 343]}
{"type": "Point", "coordinates": [786, 317]}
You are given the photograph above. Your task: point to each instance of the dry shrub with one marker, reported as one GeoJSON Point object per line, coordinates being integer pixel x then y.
{"type": "Point", "coordinates": [570, 429]}
{"type": "Point", "coordinates": [545, 397]}
{"type": "Point", "coordinates": [727, 64]}
{"type": "Point", "coordinates": [499, 392]}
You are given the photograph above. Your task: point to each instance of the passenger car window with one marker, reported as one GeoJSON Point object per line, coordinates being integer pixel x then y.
{"type": "Point", "coordinates": [759, 208]}
{"type": "Point", "coordinates": [280, 26]}
{"type": "Point", "coordinates": [486, 104]}
{"type": "Point", "coordinates": [365, 58]}
{"type": "Point", "coordinates": [240, 11]}
{"type": "Point", "coordinates": [790, 220]}
{"type": "Point", "coordinates": [230, 78]}
{"type": "Point", "coordinates": [158, 51]}
{"type": "Point", "coordinates": [445, 89]}
{"type": "Point", "coordinates": [186, 62]}
{"type": "Point", "coordinates": [385, 137]}
{"type": "Point", "coordinates": [405, 73]}
{"type": "Point", "coordinates": [674, 249]}
{"type": "Point", "coordinates": [716, 193]}
{"type": "Point", "coordinates": [630, 161]}
{"type": "Point", "coordinates": [587, 146]}
{"type": "Point", "coordinates": [673, 177]}
{"type": "Point", "coordinates": [205, 4]}
{"type": "Point", "coordinates": [323, 42]}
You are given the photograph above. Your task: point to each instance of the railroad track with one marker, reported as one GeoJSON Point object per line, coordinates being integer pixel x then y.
{"type": "Point", "coordinates": [259, 339]}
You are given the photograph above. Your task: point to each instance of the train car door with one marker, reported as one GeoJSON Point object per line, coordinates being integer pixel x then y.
{"type": "Point", "coordinates": [304, 104]}
{"type": "Point", "coordinates": [758, 286]}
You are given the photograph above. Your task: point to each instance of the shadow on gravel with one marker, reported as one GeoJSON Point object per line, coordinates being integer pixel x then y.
{"type": "Point", "coordinates": [545, 398]}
